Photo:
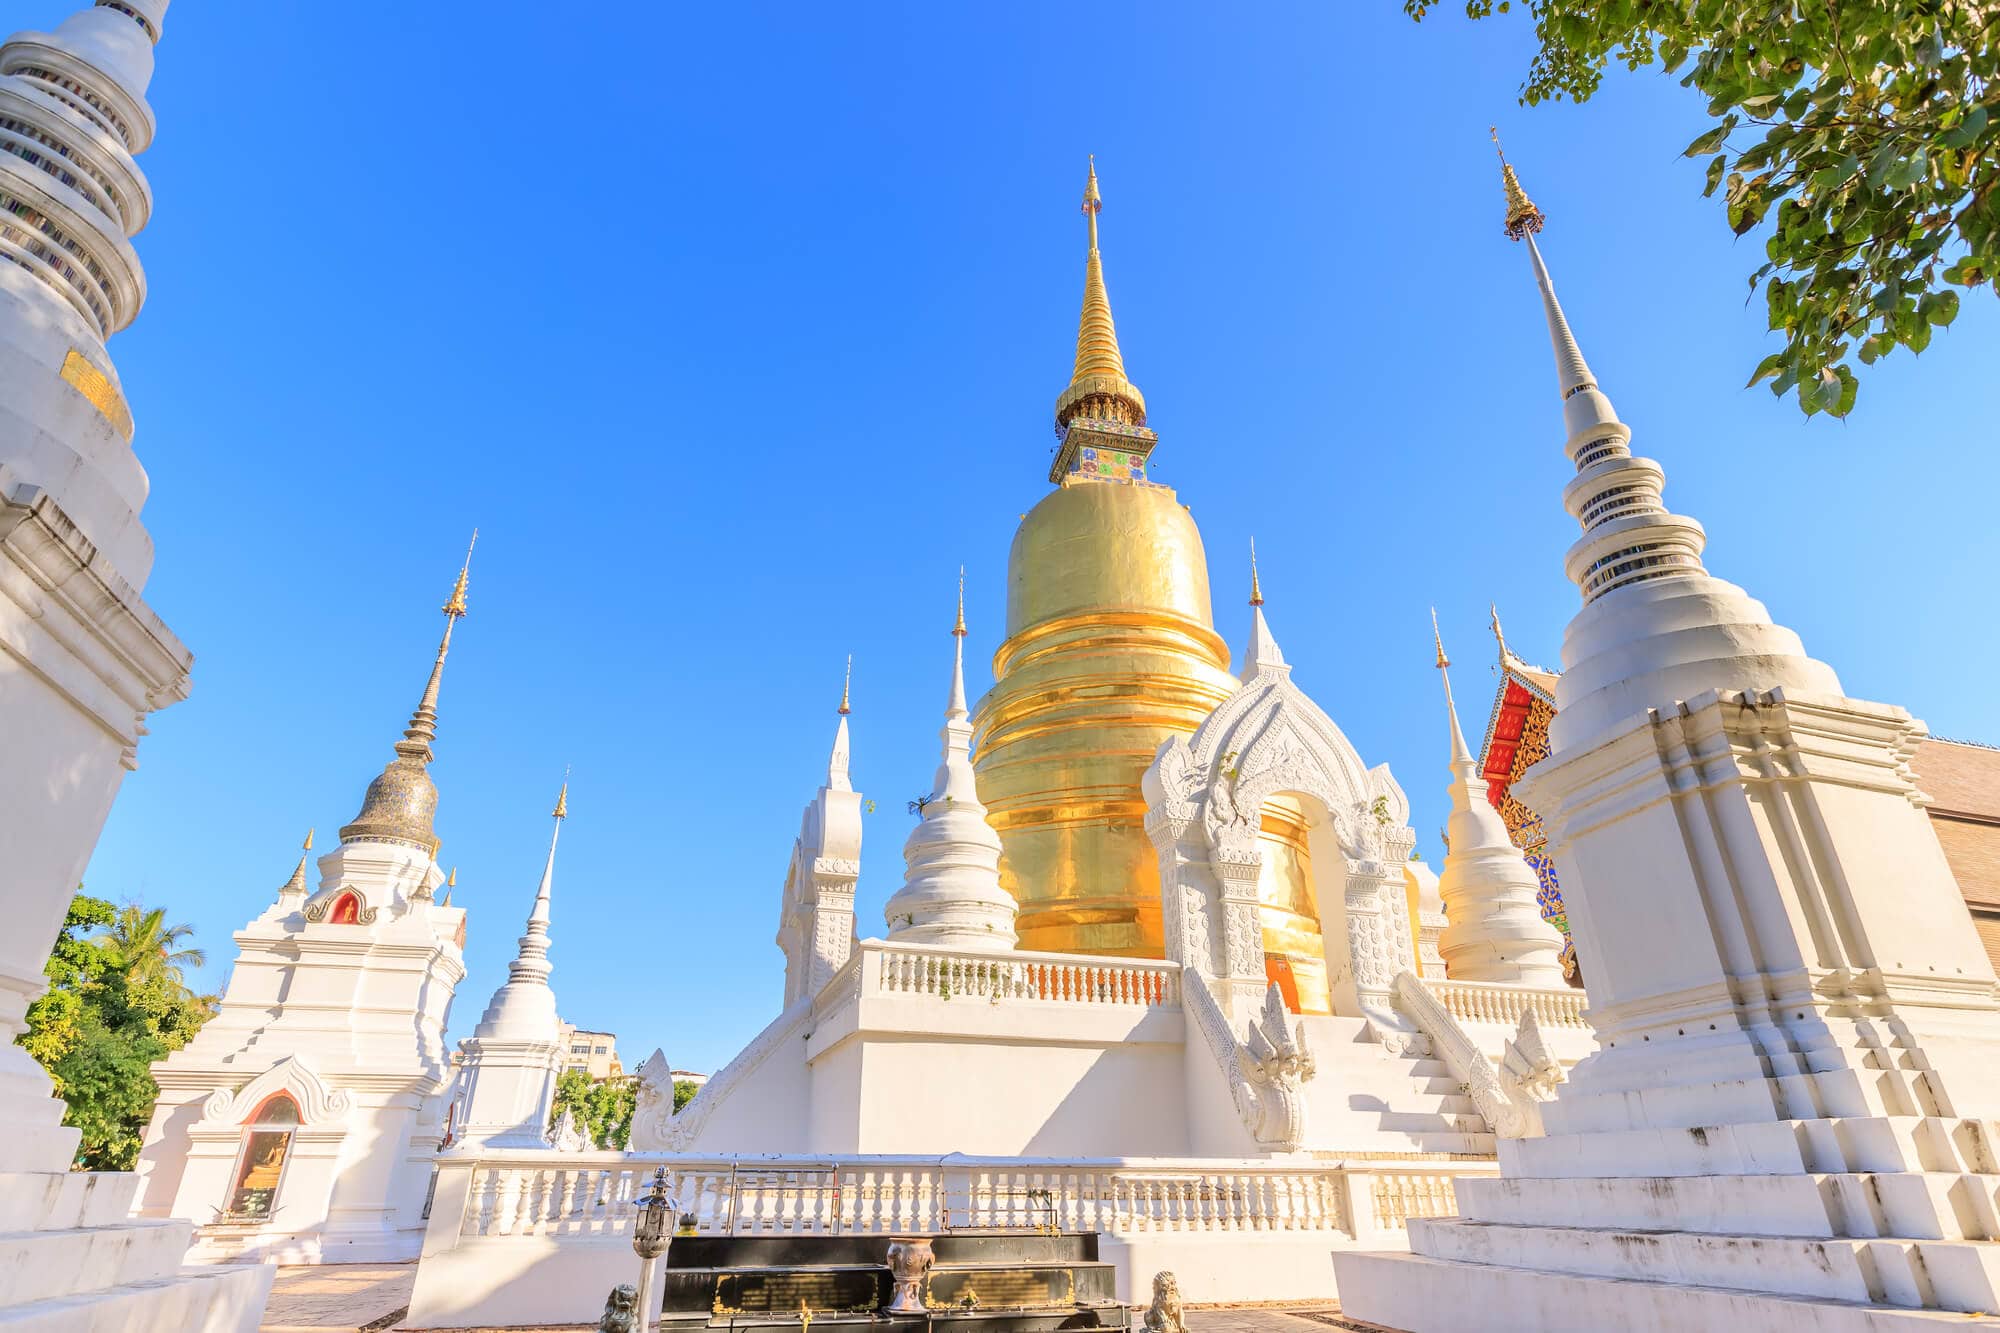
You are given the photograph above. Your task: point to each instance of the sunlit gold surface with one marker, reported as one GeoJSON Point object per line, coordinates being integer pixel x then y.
{"type": "Point", "coordinates": [1285, 898]}
{"type": "Point", "coordinates": [98, 389]}
{"type": "Point", "coordinates": [1110, 649]}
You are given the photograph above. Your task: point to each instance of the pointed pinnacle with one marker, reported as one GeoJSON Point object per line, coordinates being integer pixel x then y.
{"type": "Point", "coordinates": [1438, 639]}
{"type": "Point", "coordinates": [959, 627]}
{"type": "Point", "coordinates": [847, 686]}
{"type": "Point", "coordinates": [1256, 586]}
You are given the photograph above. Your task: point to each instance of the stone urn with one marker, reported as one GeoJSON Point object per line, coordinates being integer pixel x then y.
{"type": "Point", "coordinates": [910, 1257]}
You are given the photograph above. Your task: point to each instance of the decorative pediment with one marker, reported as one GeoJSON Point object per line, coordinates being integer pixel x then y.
{"type": "Point", "coordinates": [322, 905]}
{"type": "Point", "coordinates": [319, 1104]}
{"type": "Point", "coordinates": [1267, 738]}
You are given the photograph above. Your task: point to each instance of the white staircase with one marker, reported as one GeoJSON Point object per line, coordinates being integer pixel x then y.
{"type": "Point", "coordinates": [72, 1261]}
{"type": "Point", "coordinates": [1365, 1096]}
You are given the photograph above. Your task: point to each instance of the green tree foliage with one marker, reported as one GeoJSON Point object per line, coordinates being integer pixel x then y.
{"type": "Point", "coordinates": [116, 1002]}
{"type": "Point", "coordinates": [602, 1108]}
{"type": "Point", "coordinates": [1861, 136]}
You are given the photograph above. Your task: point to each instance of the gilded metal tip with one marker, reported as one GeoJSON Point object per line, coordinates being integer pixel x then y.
{"type": "Point", "coordinates": [1092, 200]}
{"type": "Point", "coordinates": [959, 627]}
{"type": "Point", "coordinates": [1256, 586]}
{"type": "Point", "coordinates": [1522, 215]}
{"type": "Point", "coordinates": [1438, 639]}
{"type": "Point", "coordinates": [847, 685]}
{"type": "Point", "coordinates": [309, 840]}
{"type": "Point", "coordinates": [451, 880]}
{"type": "Point", "coordinates": [562, 802]}
{"type": "Point", "coordinates": [455, 605]}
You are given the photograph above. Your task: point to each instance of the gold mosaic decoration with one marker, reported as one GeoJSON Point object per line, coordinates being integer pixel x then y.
{"type": "Point", "coordinates": [98, 389]}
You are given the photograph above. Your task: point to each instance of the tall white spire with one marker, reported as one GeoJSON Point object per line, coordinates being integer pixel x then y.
{"type": "Point", "coordinates": [524, 1007]}
{"type": "Point", "coordinates": [836, 762]}
{"type": "Point", "coordinates": [1655, 626]}
{"type": "Point", "coordinates": [73, 103]}
{"type": "Point", "coordinates": [1495, 930]}
{"type": "Point", "coordinates": [951, 892]}
{"type": "Point", "coordinates": [1262, 654]}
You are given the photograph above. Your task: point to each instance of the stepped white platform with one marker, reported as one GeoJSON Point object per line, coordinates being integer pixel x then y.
{"type": "Point", "coordinates": [72, 1262]}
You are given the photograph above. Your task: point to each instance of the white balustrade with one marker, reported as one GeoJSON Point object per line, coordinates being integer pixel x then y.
{"type": "Point", "coordinates": [1014, 975]}
{"type": "Point", "coordinates": [581, 1195]}
{"type": "Point", "coordinates": [1490, 1002]}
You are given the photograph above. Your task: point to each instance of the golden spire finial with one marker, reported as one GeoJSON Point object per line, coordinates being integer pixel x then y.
{"type": "Point", "coordinates": [1256, 587]}
{"type": "Point", "coordinates": [451, 881]}
{"type": "Point", "coordinates": [959, 628]}
{"type": "Point", "coordinates": [562, 798]}
{"type": "Point", "coordinates": [1438, 639]}
{"type": "Point", "coordinates": [1498, 637]}
{"type": "Point", "coordinates": [1097, 383]}
{"type": "Point", "coordinates": [455, 605]}
{"type": "Point", "coordinates": [309, 840]}
{"type": "Point", "coordinates": [1522, 215]}
{"type": "Point", "coordinates": [847, 685]}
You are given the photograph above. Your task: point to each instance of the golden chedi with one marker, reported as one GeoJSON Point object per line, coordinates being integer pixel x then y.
{"type": "Point", "coordinates": [1110, 649]}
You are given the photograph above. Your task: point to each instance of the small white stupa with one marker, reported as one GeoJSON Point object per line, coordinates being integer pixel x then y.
{"type": "Point", "coordinates": [513, 1056]}
{"type": "Point", "coordinates": [951, 892]}
{"type": "Point", "coordinates": [1494, 929]}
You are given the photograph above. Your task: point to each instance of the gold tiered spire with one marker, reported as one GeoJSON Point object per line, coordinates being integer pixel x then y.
{"type": "Point", "coordinates": [1097, 385]}
{"type": "Point", "coordinates": [1522, 215]}
{"type": "Point", "coordinates": [847, 686]}
{"type": "Point", "coordinates": [1437, 637]}
{"type": "Point", "coordinates": [1256, 586]}
{"type": "Point", "coordinates": [958, 627]}
{"type": "Point", "coordinates": [402, 800]}
{"type": "Point", "coordinates": [562, 799]}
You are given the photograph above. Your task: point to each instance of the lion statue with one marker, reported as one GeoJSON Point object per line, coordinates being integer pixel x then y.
{"type": "Point", "coordinates": [1165, 1315]}
{"type": "Point", "coordinates": [621, 1310]}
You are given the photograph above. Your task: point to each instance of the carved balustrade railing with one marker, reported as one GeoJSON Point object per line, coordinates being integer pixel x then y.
{"type": "Point", "coordinates": [1488, 1002]}
{"type": "Point", "coordinates": [583, 1195]}
{"type": "Point", "coordinates": [915, 969]}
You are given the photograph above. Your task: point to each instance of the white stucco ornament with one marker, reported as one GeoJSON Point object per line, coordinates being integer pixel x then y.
{"type": "Point", "coordinates": [951, 892]}
{"type": "Point", "coordinates": [653, 1113]}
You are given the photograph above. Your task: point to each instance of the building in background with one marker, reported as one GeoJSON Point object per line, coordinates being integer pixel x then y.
{"type": "Point", "coordinates": [595, 1053]}
{"type": "Point", "coordinates": [1962, 780]}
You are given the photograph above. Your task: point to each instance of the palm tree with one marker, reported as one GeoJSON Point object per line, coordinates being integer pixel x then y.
{"type": "Point", "coordinates": [142, 946]}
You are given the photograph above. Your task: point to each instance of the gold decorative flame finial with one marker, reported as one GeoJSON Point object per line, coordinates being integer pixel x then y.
{"type": "Point", "coordinates": [847, 685]}
{"type": "Point", "coordinates": [451, 880]}
{"type": "Point", "coordinates": [309, 840]}
{"type": "Point", "coordinates": [455, 604]}
{"type": "Point", "coordinates": [1522, 215]}
{"type": "Point", "coordinates": [562, 799]}
{"type": "Point", "coordinates": [1256, 586]}
{"type": "Point", "coordinates": [959, 628]}
{"type": "Point", "coordinates": [1438, 639]}
{"type": "Point", "coordinates": [1097, 384]}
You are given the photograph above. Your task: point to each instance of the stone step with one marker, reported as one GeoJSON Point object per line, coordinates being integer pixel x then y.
{"type": "Point", "coordinates": [1930, 1205]}
{"type": "Point", "coordinates": [1847, 1144]}
{"type": "Point", "coordinates": [1928, 1274]}
{"type": "Point", "coordinates": [1459, 1142]}
{"type": "Point", "coordinates": [61, 1200]}
{"type": "Point", "coordinates": [38, 1265]}
{"type": "Point", "coordinates": [220, 1299]}
{"type": "Point", "coordinates": [1420, 1295]}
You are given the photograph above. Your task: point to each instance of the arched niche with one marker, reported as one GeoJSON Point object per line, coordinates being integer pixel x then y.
{"type": "Point", "coordinates": [1206, 797]}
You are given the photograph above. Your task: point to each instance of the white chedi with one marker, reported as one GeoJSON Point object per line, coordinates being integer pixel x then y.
{"type": "Point", "coordinates": [513, 1056]}
{"type": "Point", "coordinates": [1494, 930]}
{"type": "Point", "coordinates": [951, 892]}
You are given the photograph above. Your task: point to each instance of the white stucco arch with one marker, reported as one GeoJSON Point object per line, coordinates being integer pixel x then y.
{"type": "Point", "coordinates": [1204, 794]}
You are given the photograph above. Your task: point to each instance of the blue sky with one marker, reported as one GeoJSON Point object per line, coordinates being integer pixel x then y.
{"type": "Point", "coordinates": [736, 330]}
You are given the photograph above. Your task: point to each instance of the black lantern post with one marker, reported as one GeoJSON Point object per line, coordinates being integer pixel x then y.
{"type": "Point", "coordinates": [650, 1239]}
